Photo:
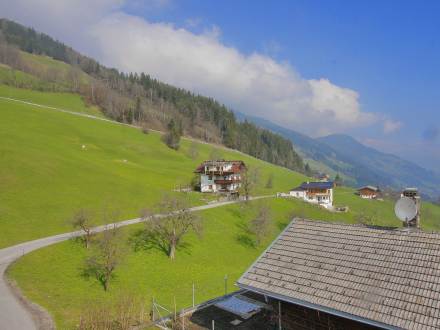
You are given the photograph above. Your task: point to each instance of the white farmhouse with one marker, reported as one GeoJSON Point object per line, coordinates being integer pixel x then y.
{"type": "Point", "coordinates": [220, 176]}
{"type": "Point", "coordinates": [320, 193]}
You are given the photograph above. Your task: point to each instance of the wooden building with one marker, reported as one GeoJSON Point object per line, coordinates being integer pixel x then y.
{"type": "Point", "coordinates": [369, 192]}
{"type": "Point", "coordinates": [222, 176]}
{"type": "Point", "coordinates": [322, 275]}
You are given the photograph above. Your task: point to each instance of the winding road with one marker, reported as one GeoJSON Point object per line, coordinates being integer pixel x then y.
{"type": "Point", "coordinates": [14, 315]}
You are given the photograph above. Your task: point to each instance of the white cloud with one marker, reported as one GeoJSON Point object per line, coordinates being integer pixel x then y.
{"type": "Point", "coordinates": [252, 83]}
{"type": "Point", "coordinates": [391, 126]}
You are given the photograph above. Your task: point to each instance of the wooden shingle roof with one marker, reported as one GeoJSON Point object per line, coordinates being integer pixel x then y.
{"type": "Point", "coordinates": [385, 277]}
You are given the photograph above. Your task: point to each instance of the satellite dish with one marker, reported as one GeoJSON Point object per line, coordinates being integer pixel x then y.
{"type": "Point", "coordinates": [405, 209]}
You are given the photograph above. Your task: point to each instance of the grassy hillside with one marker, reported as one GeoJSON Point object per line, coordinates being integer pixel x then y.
{"type": "Point", "coordinates": [223, 249]}
{"type": "Point", "coordinates": [46, 174]}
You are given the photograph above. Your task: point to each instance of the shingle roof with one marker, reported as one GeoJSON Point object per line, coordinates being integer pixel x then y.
{"type": "Point", "coordinates": [373, 188]}
{"type": "Point", "coordinates": [388, 276]}
{"type": "Point", "coordinates": [317, 185]}
{"type": "Point", "coordinates": [237, 165]}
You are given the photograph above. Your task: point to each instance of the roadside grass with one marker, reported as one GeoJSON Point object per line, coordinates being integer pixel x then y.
{"type": "Point", "coordinates": [46, 174]}
{"type": "Point", "coordinates": [52, 276]}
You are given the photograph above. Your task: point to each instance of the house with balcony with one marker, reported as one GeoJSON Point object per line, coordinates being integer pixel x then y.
{"type": "Point", "coordinates": [320, 193]}
{"type": "Point", "coordinates": [220, 176]}
{"type": "Point", "coordinates": [369, 192]}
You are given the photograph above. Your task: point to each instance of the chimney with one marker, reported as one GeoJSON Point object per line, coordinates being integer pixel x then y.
{"type": "Point", "coordinates": [413, 193]}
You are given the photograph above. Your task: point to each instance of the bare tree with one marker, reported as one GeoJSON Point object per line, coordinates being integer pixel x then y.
{"type": "Point", "coordinates": [122, 314]}
{"type": "Point", "coordinates": [106, 256]}
{"type": "Point", "coordinates": [269, 183]}
{"type": "Point", "coordinates": [82, 219]}
{"type": "Point", "coordinates": [215, 154]}
{"type": "Point", "coordinates": [168, 231]}
{"type": "Point", "coordinates": [366, 219]}
{"type": "Point", "coordinates": [249, 178]}
{"type": "Point", "coordinates": [193, 151]}
{"type": "Point", "coordinates": [260, 225]}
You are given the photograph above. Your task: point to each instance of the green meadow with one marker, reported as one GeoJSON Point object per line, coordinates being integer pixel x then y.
{"type": "Point", "coordinates": [226, 248]}
{"type": "Point", "coordinates": [53, 163]}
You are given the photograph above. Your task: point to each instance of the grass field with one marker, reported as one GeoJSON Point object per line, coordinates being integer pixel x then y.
{"type": "Point", "coordinates": [223, 249]}
{"type": "Point", "coordinates": [46, 174]}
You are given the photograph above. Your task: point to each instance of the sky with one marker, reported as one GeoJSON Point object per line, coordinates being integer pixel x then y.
{"type": "Point", "coordinates": [365, 68]}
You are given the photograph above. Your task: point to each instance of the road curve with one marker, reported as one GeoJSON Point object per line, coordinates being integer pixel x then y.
{"type": "Point", "coordinates": [13, 314]}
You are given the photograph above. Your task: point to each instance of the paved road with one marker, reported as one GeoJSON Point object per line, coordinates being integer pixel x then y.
{"type": "Point", "coordinates": [13, 315]}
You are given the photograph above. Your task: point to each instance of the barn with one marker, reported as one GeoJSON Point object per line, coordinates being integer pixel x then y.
{"type": "Point", "coordinates": [369, 192]}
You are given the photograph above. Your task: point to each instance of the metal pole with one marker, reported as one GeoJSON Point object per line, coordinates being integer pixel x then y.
{"type": "Point", "coordinates": [279, 315]}
{"type": "Point", "coordinates": [226, 284]}
{"type": "Point", "coordinates": [194, 296]}
{"type": "Point", "coordinates": [152, 307]}
{"type": "Point", "coordinates": [213, 325]}
{"type": "Point", "coordinates": [175, 309]}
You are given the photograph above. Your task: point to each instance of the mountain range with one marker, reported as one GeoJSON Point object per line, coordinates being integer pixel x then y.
{"type": "Point", "coordinates": [356, 163]}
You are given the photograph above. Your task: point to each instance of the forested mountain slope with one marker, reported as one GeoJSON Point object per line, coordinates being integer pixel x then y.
{"type": "Point", "coordinates": [135, 98]}
{"type": "Point", "coordinates": [356, 163]}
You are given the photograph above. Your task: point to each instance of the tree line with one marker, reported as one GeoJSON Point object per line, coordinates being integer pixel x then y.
{"type": "Point", "coordinates": [140, 99]}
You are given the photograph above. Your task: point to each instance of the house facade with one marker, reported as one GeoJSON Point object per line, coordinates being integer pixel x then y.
{"type": "Point", "coordinates": [368, 192]}
{"type": "Point", "coordinates": [223, 176]}
{"type": "Point", "coordinates": [320, 193]}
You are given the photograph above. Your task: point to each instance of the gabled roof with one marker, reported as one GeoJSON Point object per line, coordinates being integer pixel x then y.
{"type": "Point", "coordinates": [237, 165]}
{"type": "Point", "coordinates": [314, 185]}
{"type": "Point", "coordinates": [385, 277]}
{"type": "Point", "coordinates": [372, 188]}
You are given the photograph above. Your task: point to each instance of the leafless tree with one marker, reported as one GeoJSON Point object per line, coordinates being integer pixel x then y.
{"type": "Point", "coordinates": [122, 314]}
{"type": "Point", "coordinates": [106, 257]}
{"type": "Point", "coordinates": [249, 178]}
{"type": "Point", "coordinates": [193, 151]}
{"type": "Point", "coordinates": [260, 225]}
{"type": "Point", "coordinates": [215, 154]}
{"type": "Point", "coordinates": [83, 220]}
{"type": "Point", "coordinates": [269, 183]}
{"type": "Point", "coordinates": [366, 219]}
{"type": "Point", "coordinates": [168, 231]}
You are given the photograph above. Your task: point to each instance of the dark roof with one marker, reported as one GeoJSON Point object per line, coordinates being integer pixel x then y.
{"type": "Point", "coordinates": [372, 188]}
{"type": "Point", "coordinates": [315, 185]}
{"type": "Point", "coordinates": [237, 165]}
{"type": "Point", "coordinates": [385, 277]}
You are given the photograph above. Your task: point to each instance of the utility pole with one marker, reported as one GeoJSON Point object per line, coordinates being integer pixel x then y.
{"type": "Point", "coordinates": [226, 284]}
{"type": "Point", "coordinates": [193, 296]}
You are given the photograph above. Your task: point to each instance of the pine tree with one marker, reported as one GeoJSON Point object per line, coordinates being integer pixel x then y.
{"type": "Point", "coordinates": [172, 138]}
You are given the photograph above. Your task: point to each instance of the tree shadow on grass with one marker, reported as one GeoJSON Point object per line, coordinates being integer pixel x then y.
{"type": "Point", "coordinates": [245, 237]}
{"type": "Point", "coordinates": [282, 225]}
{"type": "Point", "coordinates": [142, 240]}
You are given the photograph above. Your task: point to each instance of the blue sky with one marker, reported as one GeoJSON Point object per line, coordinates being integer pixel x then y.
{"type": "Point", "coordinates": [366, 68]}
{"type": "Point", "coordinates": [388, 51]}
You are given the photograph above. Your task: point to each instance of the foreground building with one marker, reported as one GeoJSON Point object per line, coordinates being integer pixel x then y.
{"type": "Point", "coordinates": [324, 275]}
{"type": "Point", "coordinates": [221, 176]}
{"type": "Point", "coordinates": [320, 193]}
{"type": "Point", "coordinates": [369, 192]}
